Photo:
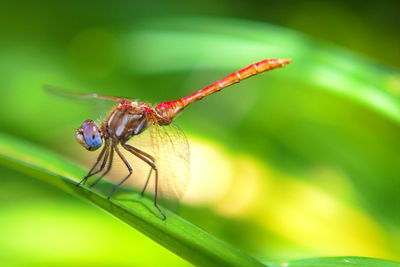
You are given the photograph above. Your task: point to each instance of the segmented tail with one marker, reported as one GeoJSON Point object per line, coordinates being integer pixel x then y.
{"type": "Point", "coordinates": [169, 110]}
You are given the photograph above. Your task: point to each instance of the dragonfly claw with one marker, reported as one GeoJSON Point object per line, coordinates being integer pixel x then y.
{"type": "Point", "coordinates": [83, 181]}
{"type": "Point", "coordinates": [162, 213]}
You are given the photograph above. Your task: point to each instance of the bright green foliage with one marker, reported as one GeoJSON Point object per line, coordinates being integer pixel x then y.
{"type": "Point", "coordinates": [298, 163]}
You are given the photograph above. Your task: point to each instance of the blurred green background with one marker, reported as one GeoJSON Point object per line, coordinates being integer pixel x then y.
{"type": "Point", "coordinates": [301, 162]}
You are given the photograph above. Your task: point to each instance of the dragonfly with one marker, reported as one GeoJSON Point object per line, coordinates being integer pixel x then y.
{"type": "Point", "coordinates": [129, 118]}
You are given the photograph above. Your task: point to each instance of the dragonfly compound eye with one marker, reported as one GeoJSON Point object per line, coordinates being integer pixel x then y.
{"type": "Point", "coordinates": [89, 135]}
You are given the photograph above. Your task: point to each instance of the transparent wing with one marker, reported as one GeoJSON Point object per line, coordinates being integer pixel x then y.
{"type": "Point", "coordinates": [172, 155]}
{"type": "Point", "coordinates": [170, 149]}
{"type": "Point", "coordinates": [99, 104]}
{"type": "Point", "coordinates": [69, 94]}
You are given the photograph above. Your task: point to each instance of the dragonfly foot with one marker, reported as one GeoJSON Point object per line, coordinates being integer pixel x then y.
{"type": "Point", "coordinates": [83, 181]}
{"type": "Point", "coordinates": [162, 213]}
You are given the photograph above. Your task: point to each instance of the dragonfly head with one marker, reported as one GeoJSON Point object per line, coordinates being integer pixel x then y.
{"type": "Point", "coordinates": [89, 135]}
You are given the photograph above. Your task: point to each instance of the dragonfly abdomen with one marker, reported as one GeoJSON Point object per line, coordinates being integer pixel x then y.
{"type": "Point", "coordinates": [169, 110]}
{"type": "Point", "coordinates": [237, 76]}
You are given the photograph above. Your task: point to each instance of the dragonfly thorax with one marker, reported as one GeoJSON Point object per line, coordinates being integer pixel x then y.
{"type": "Point", "coordinates": [126, 119]}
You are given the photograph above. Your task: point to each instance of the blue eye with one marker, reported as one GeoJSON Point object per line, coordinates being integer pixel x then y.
{"type": "Point", "coordinates": [89, 135]}
{"type": "Point", "coordinates": [93, 141]}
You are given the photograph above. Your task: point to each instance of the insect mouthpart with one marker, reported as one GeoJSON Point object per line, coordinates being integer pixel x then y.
{"type": "Point", "coordinates": [89, 135]}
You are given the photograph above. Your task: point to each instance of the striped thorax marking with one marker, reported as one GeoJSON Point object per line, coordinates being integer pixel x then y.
{"type": "Point", "coordinates": [127, 118]}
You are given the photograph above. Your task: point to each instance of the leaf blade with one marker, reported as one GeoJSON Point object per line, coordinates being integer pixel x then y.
{"type": "Point", "coordinates": [176, 234]}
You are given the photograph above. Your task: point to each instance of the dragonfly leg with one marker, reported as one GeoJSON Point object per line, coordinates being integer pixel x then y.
{"type": "Point", "coordinates": [155, 198]}
{"type": "Point", "coordinates": [97, 161]}
{"type": "Point", "coordinates": [147, 182]}
{"type": "Point", "coordinates": [107, 170]}
{"type": "Point", "coordinates": [150, 157]}
{"type": "Point", "coordinates": [127, 165]}
{"type": "Point", "coordinates": [103, 164]}
{"type": "Point", "coordinates": [149, 160]}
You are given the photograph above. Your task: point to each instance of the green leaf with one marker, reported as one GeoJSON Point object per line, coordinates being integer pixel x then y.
{"type": "Point", "coordinates": [338, 262]}
{"type": "Point", "coordinates": [175, 233]}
